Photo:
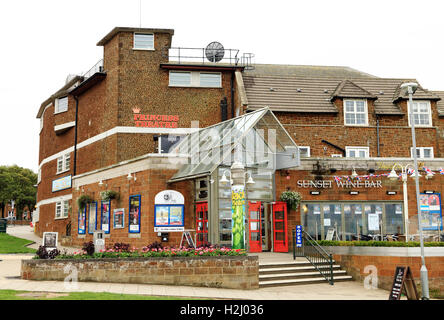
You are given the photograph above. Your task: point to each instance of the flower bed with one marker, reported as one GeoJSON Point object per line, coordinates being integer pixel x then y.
{"type": "Point", "coordinates": [234, 271]}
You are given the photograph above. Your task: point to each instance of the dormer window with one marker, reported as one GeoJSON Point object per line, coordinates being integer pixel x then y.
{"type": "Point", "coordinates": [421, 113]}
{"type": "Point", "coordinates": [355, 113]}
{"type": "Point", "coordinates": [61, 105]}
{"type": "Point", "coordinates": [144, 41]}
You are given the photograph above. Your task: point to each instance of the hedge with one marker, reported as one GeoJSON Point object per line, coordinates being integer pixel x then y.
{"type": "Point", "coordinates": [378, 244]}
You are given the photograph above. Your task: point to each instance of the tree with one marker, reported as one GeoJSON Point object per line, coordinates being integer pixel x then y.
{"type": "Point", "coordinates": [17, 184]}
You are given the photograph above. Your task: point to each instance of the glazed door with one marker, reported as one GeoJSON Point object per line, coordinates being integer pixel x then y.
{"type": "Point", "coordinates": [254, 212]}
{"type": "Point", "coordinates": [280, 237]}
{"type": "Point", "coordinates": [201, 223]}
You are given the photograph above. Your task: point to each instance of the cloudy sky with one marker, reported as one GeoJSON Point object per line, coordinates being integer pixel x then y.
{"type": "Point", "coordinates": [44, 41]}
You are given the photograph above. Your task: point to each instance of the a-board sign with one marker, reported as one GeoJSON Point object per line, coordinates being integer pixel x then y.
{"type": "Point", "coordinates": [50, 239]}
{"type": "Point", "coordinates": [188, 238]}
{"type": "Point", "coordinates": [330, 234]}
{"type": "Point", "coordinates": [403, 281]}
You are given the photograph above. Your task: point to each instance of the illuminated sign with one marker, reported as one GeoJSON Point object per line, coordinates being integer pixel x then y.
{"type": "Point", "coordinates": [154, 120]}
{"type": "Point", "coordinates": [61, 184]}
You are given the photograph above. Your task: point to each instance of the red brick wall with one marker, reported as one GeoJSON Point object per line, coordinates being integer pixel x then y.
{"type": "Point", "coordinates": [386, 266]}
{"type": "Point", "coordinates": [148, 184]}
{"type": "Point", "coordinates": [394, 136]}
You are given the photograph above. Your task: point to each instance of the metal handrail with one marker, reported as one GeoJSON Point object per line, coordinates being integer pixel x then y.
{"type": "Point", "coordinates": [315, 254]}
{"type": "Point", "coordinates": [98, 67]}
{"type": "Point", "coordinates": [183, 55]}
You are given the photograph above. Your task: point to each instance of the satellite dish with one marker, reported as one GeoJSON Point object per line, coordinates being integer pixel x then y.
{"type": "Point", "coordinates": [215, 51]}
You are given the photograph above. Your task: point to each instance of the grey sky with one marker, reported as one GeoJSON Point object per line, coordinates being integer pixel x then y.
{"type": "Point", "coordinates": [44, 41]}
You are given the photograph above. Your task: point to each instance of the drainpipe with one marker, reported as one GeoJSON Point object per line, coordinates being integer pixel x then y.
{"type": "Point", "coordinates": [75, 136]}
{"type": "Point", "coordinates": [232, 94]}
{"type": "Point", "coordinates": [377, 133]}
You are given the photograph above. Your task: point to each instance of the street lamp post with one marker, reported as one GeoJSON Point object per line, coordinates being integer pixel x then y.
{"type": "Point", "coordinates": [410, 88]}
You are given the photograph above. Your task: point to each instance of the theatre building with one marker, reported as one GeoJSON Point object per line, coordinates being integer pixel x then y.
{"type": "Point", "coordinates": [155, 139]}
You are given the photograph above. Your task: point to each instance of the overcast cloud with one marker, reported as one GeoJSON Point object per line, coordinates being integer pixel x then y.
{"type": "Point", "coordinates": [44, 41]}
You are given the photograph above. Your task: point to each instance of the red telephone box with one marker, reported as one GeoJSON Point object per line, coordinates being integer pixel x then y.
{"type": "Point", "coordinates": [255, 236]}
{"type": "Point", "coordinates": [201, 223]}
{"type": "Point", "coordinates": [280, 238]}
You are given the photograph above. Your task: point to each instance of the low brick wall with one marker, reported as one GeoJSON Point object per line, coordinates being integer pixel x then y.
{"type": "Point", "coordinates": [385, 259]}
{"type": "Point", "coordinates": [235, 272]}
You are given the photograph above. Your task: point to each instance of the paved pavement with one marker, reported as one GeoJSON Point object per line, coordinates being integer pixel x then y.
{"type": "Point", "coordinates": [349, 290]}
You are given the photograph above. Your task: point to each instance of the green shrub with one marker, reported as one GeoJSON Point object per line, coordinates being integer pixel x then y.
{"type": "Point", "coordinates": [378, 243]}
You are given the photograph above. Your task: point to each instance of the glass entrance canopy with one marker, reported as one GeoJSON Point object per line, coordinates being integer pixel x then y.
{"type": "Point", "coordinates": [256, 139]}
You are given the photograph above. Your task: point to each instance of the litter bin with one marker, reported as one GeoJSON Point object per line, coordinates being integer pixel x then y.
{"type": "Point", "coordinates": [3, 225]}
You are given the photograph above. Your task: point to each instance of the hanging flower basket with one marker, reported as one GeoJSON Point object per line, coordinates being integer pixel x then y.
{"type": "Point", "coordinates": [292, 198]}
{"type": "Point", "coordinates": [109, 195]}
{"type": "Point", "coordinates": [83, 200]}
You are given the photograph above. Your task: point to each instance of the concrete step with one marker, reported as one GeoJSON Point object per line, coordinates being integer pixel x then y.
{"type": "Point", "coordinates": [286, 264]}
{"type": "Point", "coordinates": [293, 282]}
{"type": "Point", "coordinates": [304, 268]}
{"type": "Point", "coordinates": [297, 275]}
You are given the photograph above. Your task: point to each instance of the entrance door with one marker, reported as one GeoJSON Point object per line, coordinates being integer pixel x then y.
{"type": "Point", "coordinates": [255, 236]}
{"type": "Point", "coordinates": [201, 223]}
{"type": "Point", "coordinates": [280, 238]}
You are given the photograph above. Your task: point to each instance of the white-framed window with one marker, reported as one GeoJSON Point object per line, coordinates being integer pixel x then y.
{"type": "Point", "coordinates": [61, 105]}
{"type": "Point", "coordinates": [180, 79]}
{"type": "Point", "coordinates": [143, 41]}
{"type": "Point", "coordinates": [355, 113]}
{"type": "Point", "coordinates": [63, 163]}
{"type": "Point", "coordinates": [422, 113]}
{"type": "Point", "coordinates": [62, 209]}
{"type": "Point", "coordinates": [304, 151]}
{"type": "Point", "coordinates": [167, 141]}
{"type": "Point", "coordinates": [357, 152]}
{"type": "Point", "coordinates": [422, 152]}
{"type": "Point", "coordinates": [213, 80]}
{"type": "Point", "coordinates": [195, 79]}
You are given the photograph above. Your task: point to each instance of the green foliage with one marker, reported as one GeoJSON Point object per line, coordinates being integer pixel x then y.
{"type": "Point", "coordinates": [83, 200]}
{"type": "Point", "coordinates": [292, 198]}
{"type": "Point", "coordinates": [109, 195]}
{"type": "Point", "coordinates": [17, 184]}
{"type": "Point", "coordinates": [378, 244]}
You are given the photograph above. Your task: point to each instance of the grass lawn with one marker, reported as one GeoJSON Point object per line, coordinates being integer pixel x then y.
{"type": "Point", "coordinates": [29, 295]}
{"type": "Point", "coordinates": [10, 244]}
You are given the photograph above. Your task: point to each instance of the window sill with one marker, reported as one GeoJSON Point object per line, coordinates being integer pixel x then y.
{"type": "Point", "coordinates": [60, 218]}
{"type": "Point", "coordinates": [64, 171]}
{"type": "Point", "coordinates": [356, 125]}
{"type": "Point", "coordinates": [190, 86]}
{"type": "Point", "coordinates": [144, 49]}
{"type": "Point", "coordinates": [61, 111]}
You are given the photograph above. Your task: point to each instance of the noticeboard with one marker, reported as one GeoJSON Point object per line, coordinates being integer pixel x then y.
{"type": "Point", "coordinates": [431, 213]}
{"type": "Point", "coordinates": [403, 281]}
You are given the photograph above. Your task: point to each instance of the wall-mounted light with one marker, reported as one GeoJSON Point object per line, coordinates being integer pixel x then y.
{"type": "Point", "coordinates": [354, 192]}
{"type": "Point", "coordinates": [130, 177]}
{"type": "Point", "coordinates": [100, 183]}
{"type": "Point", "coordinates": [315, 193]}
{"type": "Point", "coordinates": [354, 175]}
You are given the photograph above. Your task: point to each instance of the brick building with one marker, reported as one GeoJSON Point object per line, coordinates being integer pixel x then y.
{"type": "Point", "coordinates": [131, 125]}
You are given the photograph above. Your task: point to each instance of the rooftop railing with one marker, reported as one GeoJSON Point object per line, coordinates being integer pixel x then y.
{"type": "Point", "coordinates": [98, 67]}
{"type": "Point", "coordinates": [183, 55]}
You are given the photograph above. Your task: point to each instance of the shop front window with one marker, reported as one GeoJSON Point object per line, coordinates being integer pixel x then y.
{"type": "Point", "coordinates": [352, 221]}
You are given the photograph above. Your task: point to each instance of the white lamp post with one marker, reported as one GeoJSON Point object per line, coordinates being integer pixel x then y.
{"type": "Point", "coordinates": [410, 88]}
{"type": "Point", "coordinates": [394, 176]}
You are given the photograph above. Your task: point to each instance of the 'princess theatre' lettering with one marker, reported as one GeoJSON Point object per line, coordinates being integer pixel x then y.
{"type": "Point", "coordinates": [155, 120]}
{"type": "Point", "coordinates": [341, 184]}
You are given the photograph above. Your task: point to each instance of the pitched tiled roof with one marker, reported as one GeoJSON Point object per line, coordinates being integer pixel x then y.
{"type": "Point", "coordinates": [440, 103]}
{"type": "Point", "coordinates": [348, 89]}
{"type": "Point", "coordinates": [306, 71]}
{"type": "Point", "coordinates": [313, 94]}
{"type": "Point", "coordinates": [420, 93]}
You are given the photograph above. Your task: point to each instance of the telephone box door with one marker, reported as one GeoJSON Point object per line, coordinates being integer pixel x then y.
{"type": "Point", "coordinates": [280, 236]}
{"type": "Point", "coordinates": [255, 236]}
{"type": "Point", "coordinates": [201, 223]}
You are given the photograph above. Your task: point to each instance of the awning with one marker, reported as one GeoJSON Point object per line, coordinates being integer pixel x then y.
{"type": "Point", "coordinates": [256, 139]}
